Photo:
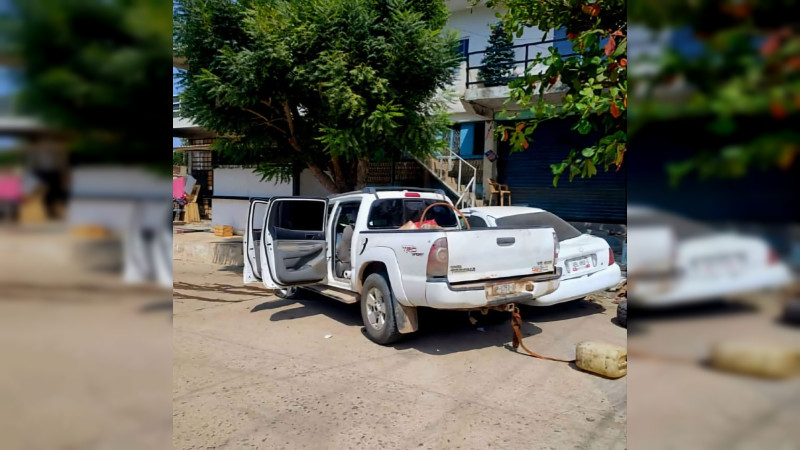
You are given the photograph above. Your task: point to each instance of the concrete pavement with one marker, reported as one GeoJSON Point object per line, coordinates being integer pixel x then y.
{"type": "Point", "coordinates": [255, 371]}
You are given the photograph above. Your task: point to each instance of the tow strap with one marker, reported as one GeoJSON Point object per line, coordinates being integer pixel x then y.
{"type": "Point", "coordinates": [516, 338]}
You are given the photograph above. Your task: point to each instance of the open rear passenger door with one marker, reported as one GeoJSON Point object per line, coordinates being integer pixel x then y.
{"type": "Point", "coordinates": [294, 246]}
{"type": "Point", "coordinates": [256, 215]}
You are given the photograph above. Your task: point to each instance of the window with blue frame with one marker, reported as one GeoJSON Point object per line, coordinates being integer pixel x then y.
{"type": "Point", "coordinates": [463, 48]}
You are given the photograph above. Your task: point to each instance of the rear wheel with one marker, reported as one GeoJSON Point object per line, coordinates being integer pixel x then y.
{"type": "Point", "coordinates": [287, 293]}
{"type": "Point", "coordinates": [377, 310]}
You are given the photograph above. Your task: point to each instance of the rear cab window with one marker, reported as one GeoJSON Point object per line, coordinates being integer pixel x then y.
{"type": "Point", "coordinates": [392, 213]}
{"type": "Point", "coordinates": [476, 222]}
{"type": "Point", "coordinates": [563, 229]}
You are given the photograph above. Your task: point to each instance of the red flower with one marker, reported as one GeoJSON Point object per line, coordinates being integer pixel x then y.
{"type": "Point", "coordinates": [777, 110]}
{"type": "Point", "coordinates": [610, 46]}
{"type": "Point", "coordinates": [614, 110]}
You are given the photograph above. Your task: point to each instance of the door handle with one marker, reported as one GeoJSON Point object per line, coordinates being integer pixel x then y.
{"type": "Point", "coordinates": [505, 241]}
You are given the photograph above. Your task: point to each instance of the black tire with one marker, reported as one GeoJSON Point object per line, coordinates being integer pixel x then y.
{"type": "Point", "coordinates": [622, 314]}
{"type": "Point", "coordinates": [289, 293]}
{"type": "Point", "coordinates": [377, 310]}
{"type": "Point", "coordinates": [791, 312]}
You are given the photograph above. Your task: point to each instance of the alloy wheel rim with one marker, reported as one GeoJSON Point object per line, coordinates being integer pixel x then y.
{"type": "Point", "coordinates": [376, 308]}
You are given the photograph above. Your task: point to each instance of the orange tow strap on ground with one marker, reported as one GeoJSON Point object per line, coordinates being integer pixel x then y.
{"type": "Point", "coordinates": [516, 339]}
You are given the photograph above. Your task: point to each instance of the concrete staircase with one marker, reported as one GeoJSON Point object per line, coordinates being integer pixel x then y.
{"type": "Point", "coordinates": [458, 176]}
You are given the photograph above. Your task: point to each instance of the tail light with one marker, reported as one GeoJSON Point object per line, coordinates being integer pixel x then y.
{"type": "Point", "coordinates": [437, 259]}
{"type": "Point", "coordinates": [610, 257]}
{"type": "Point", "coordinates": [772, 257]}
{"type": "Point", "coordinates": [556, 248]}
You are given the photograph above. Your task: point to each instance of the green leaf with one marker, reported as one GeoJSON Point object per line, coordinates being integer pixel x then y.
{"type": "Point", "coordinates": [573, 171]}
{"type": "Point", "coordinates": [591, 169]}
{"type": "Point", "coordinates": [588, 152]}
{"type": "Point", "coordinates": [584, 127]}
{"type": "Point", "coordinates": [622, 47]}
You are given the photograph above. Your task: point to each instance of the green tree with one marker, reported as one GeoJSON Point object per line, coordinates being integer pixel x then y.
{"type": "Point", "coordinates": [594, 82]}
{"type": "Point", "coordinates": [739, 85]}
{"type": "Point", "coordinates": [88, 69]}
{"type": "Point", "coordinates": [498, 62]}
{"type": "Point", "coordinates": [178, 158]}
{"type": "Point", "coordinates": [323, 84]}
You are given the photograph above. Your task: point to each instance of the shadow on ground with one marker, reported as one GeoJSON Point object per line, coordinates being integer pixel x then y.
{"type": "Point", "coordinates": [160, 305]}
{"type": "Point", "coordinates": [440, 332]}
{"type": "Point", "coordinates": [639, 318]}
{"type": "Point", "coordinates": [310, 304]}
{"type": "Point", "coordinates": [234, 269]}
{"type": "Point", "coordinates": [179, 288]}
{"type": "Point", "coordinates": [561, 311]}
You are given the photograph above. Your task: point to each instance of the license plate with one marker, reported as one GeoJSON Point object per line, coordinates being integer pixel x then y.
{"type": "Point", "coordinates": [722, 266]}
{"type": "Point", "coordinates": [574, 265]}
{"type": "Point", "coordinates": [503, 289]}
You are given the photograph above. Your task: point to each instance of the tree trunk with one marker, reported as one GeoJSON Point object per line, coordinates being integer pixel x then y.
{"type": "Point", "coordinates": [361, 174]}
{"type": "Point", "coordinates": [324, 179]}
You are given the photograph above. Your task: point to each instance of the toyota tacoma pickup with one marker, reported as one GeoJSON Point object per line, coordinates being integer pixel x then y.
{"type": "Point", "coordinates": [356, 247]}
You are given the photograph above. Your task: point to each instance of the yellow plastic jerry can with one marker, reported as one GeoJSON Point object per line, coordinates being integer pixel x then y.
{"type": "Point", "coordinates": [601, 358]}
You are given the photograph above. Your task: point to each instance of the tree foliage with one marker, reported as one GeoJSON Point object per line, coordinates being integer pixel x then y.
{"type": "Point", "coordinates": [594, 81]}
{"type": "Point", "coordinates": [499, 58]}
{"type": "Point", "coordinates": [733, 71]}
{"type": "Point", "coordinates": [324, 84]}
{"type": "Point", "coordinates": [178, 158]}
{"type": "Point", "coordinates": [88, 69]}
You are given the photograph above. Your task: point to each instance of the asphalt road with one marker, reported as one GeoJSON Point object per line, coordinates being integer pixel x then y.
{"type": "Point", "coordinates": [251, 370]}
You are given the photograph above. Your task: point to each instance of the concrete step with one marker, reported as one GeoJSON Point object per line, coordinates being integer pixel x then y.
{"type": "Point", "coordinates": [204, 247]}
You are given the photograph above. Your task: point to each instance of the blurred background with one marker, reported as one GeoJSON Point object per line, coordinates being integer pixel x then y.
{"type": "Point", "coordinates": [713, 236]}
{"type": "Point", "coordinates": [713, 252]}
{"type": "Point", "coordinates": [85, 240]}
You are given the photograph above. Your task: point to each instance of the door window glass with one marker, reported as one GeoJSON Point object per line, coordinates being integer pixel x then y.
{"type": "Point", "coordinates": [299, 215]}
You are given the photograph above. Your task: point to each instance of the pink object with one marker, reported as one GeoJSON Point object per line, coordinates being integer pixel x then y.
{"type": "Point", "coordinates": [178, 187]}
{"type": "Point", "coordinates": [11, 187]}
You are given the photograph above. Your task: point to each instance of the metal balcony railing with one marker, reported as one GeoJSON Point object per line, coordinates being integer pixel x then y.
{"type": "Point", "coordinates": [523, 58]}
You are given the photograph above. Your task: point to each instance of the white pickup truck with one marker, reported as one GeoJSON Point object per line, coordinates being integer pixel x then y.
{"type": "Point", "coordinates": [349, 247]}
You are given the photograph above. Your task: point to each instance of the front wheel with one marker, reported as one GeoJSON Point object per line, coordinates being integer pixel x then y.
{"type": "Point", "coordinates": [287, 293]}
{"type": "Point", "coordinates": [377, 310]}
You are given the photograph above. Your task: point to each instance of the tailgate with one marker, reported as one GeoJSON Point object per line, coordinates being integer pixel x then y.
{"type": "Point", "coordinates": [490, 253]}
